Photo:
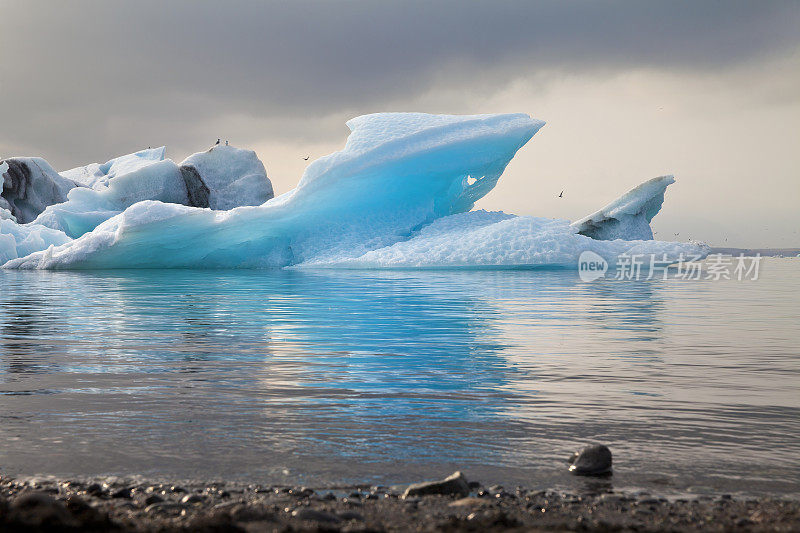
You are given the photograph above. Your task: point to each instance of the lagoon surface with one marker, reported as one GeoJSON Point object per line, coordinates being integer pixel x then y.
{"type": "Point", "coordinates": [337, 377]}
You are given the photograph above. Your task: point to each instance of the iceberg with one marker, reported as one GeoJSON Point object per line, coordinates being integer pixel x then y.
{"type": "Point", "coordinates": [85, 208]}
{"type": "Point", "coordinates": [29, 185]}
{"type": "Point", "coordinates": [627, 217]}
{"type": "Point", "coordinates": [19, 240]}
{"type": "Point", "coordinates": [225, 177]}
{"type": "Point", "coordinates": [221, 178]}
{"type": "Point", "coordinates": [399, 194]}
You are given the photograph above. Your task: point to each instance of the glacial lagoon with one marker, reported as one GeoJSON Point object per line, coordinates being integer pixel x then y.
{"type": "Point", "coordinates": [332, 377]}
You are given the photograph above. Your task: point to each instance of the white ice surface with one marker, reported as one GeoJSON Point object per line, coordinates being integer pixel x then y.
{"type": "Point", "coordinates": [19, 240]}
{"type": "Point", "coordinates": [234, 177]}
{"type": "Point", "coordinates": [86, 208]}
{"type": "Point", "coordinates": [480, 239]}
{"type": "Point", "coordinates": [99, 174]}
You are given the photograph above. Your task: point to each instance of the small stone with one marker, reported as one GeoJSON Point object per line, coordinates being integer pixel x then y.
{"type": "Point", "coordinates": [177, 489]}
{"type": "Point", "coordinates": [469, 502]}
{"type": "Point", "coordinates": [315, 516]}
{"type": "Point", "coordinates": [572, 457]}
{"type": "Point", "coordinates": [164, 507]}
{"type": "Point", "coordinates": [192, 498]}
{"type": "Point", "coordinates": [76, 505]}
{"type": "Point", "coordinates": [125, 492]}
{"type": "Point", "coordinates": [454, 484]}
{"type": "Point", "coordinates": [95, 489]}
{"type": "Point", "coordinates": [38, 509]}
{"type": "Point", "coordinates": [592, 461]}
{"type": "Point", "coordinates": [226, 506]}
{"type": "Point", "coordinates": [153, 498]}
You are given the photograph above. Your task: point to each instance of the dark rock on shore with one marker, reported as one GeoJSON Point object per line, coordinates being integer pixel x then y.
{"type": "Point", "coordinates": [455, 484]}
{"type": "Point", "coordinates": [592, 461]}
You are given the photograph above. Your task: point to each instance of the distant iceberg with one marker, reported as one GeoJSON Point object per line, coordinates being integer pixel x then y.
{"type": "Point", "coordinates": [399, 195]}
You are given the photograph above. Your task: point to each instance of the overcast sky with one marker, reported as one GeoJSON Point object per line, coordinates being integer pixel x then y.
{"type": "Point", "coordinates": [708, 91]}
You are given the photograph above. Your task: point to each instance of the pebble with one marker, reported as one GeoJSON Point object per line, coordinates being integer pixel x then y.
{"type": "Point", "coordinates": [95, 489]}
{"type": "Point", "coordinates": [125, 492]}
{"type": "Point", "coordinates": [592, 461]}
{"type": "Point", "coordinates": [192, 498]}
{"type": "Point", "coordinates": [469, 502]}
{"type": "Point", "coordinates": [315, 516]}
{"type": "Point", "coordinates": [153, 498]}
{"type": "Point", "coordinates": [455, 484]}
{"type": "Point", "coordinates": [39, 508]}
{"type": "Point", "coordinates": [164, 507]}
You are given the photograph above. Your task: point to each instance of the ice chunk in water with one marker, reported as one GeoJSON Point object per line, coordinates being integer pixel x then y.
{"type": "Point", "coordinates": [627, 217]}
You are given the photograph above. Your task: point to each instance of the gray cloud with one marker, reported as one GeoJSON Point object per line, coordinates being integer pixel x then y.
{"type": "Point", "coordinates": [85, 80]}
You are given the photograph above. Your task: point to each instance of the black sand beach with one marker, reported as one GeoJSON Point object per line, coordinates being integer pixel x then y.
{"type": "Point", "coordinates": [118, 505]}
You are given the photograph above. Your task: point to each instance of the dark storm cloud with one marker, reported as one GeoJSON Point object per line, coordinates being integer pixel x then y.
{"type": "Point", "coordinates": [81, 80]}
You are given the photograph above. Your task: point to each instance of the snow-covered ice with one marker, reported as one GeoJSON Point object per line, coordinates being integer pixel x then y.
{"type": "Point", "coordinates": [399, 195]}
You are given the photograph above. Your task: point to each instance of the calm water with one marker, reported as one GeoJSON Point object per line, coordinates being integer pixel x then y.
{"type": "Point", "coordinates": [391, 377]}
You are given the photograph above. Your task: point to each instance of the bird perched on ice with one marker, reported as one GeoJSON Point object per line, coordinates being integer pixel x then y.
{"type": "Point", "coordinates": [217, 141]}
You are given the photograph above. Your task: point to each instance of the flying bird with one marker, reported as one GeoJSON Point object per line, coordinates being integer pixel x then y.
{"type": "Point", "coordinates": [561, 195]}
{"type": "Point", "coordinates": [306, 158]}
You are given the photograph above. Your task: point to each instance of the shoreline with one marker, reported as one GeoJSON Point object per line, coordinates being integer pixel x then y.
{"type": "Point", "coordinates": [115, 504]}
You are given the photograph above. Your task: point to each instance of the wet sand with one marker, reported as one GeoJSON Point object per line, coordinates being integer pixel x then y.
{"type": "Point", "coordinates": [120, 505]}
